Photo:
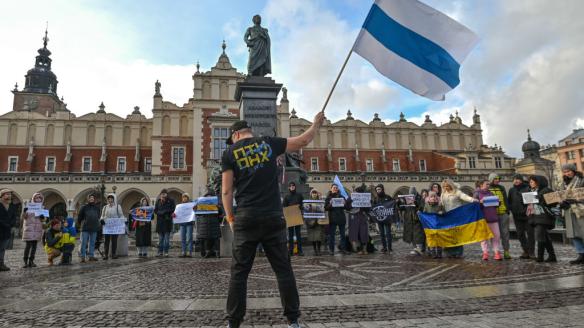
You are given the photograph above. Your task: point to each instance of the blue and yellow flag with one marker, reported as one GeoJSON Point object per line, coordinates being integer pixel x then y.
{"type": "Point", "coordinates": [463, 225]}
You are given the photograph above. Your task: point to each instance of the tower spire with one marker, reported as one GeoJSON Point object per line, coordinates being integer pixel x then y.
{"type": "Point", "coordinates": [46, 37]}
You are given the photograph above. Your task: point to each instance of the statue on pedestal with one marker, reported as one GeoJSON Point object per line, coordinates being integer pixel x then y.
{"type": "Point", "coordinates": [258, 42]}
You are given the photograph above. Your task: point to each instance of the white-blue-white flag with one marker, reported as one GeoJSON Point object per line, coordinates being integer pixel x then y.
{"type": "Point", "coordinates": [415, 45]}
{"type": "Point", "coordinates": [342, 190]}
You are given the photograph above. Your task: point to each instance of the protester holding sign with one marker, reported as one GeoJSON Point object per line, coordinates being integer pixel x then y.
{"type": "Point", "coordinates": [383, 211]}
{"type": "Point", "coordinates": [314, 230]}
{"type": "Point", "coordinates": [208, 224]}
{"type": "Point", "coordinates": [32, 230]}
{"type": "Point", "coordinates": [413, 231]}
{"type": "Point", "coordinates": [574, 210]}
{"type": "Point", "coordinates": [518, 208]}
{"type": "Point", "coordinates": [490, 213]}
{"type": "Point", "coordinates": [110, 211]}
{"type": "Point", "coordinates": [163, 209]}
{"type": "Point", "coordinates": [541, 218]}
{"type": "Point", "coordinates": [359, 223]}
{"type": "Point", "coordinates": [186, 229]}
{"type": "Point", "coordinates": [337, 219]}
{"type": "Point", "coordinates": [294, 198]}
{"type": "Point", "coordinates": [143, 230]}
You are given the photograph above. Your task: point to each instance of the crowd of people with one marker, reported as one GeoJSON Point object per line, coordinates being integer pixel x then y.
{"type": "Point", "coordinates": [347, 230]}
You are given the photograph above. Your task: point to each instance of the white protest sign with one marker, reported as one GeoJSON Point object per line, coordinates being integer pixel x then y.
{"type": "Point", "coordinates": [114, 226]}
{"type": "Point", "coordinates": [491, 201]}
{"type": "Point", "coordinates": [410, 200]}
{"type": "Point", "coordinates": [530, 197]}
{"type": "Point", "coordinates": [337, 202]}
{"type": "Point", "coordinates": [37, 208]}
{"type": "Point", "coordinates": [361, 199]}
{"type": "Point", "coordinates": [183, 213]}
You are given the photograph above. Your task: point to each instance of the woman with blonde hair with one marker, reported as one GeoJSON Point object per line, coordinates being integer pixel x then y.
{"type": "Point", "coordinates": [450, 199]}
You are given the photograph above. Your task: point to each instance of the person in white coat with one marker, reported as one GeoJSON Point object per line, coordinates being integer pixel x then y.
{"type": "Point", "coordinates": [111, 210]}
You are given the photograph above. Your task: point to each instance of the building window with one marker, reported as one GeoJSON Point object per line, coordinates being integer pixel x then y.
{"type": "Point", "coordinates": [396, 167]}
{"type": "Point", "coordinates": [50, 164]}
{"type": "Point", "coordinates": [472, 163]}
{"type": "Point", "coordinates": [220, 135]}
{"type": "Point", "coordinates": [86, 164]}
{"type": "Point", "coordinates": [178, 158]}
{"type": "Point", "coordinates": [13, 164]}
{"type": "Point", "coordinates": [342, 164]}
{"type": "Point", "coordinates": [314, 164]}
{"type": "Point", "coordinates": [147, 164]}
{"type": "Point", "coordinates": [422, 165]}
{"type": "Point", "coordinates": [121, 165]}
{"type": "Point", "coordinates": [369, 165]}
{"type": "Point", "coordinates": [571, 155]}
{"type": "Point", "coordinates": [498, 163]}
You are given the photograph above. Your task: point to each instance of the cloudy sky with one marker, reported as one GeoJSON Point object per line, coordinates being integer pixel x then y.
{"type": "Point", "coordinates": [526, 72]}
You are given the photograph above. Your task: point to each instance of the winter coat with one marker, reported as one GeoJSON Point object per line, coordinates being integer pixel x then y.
{"type": "Point", "coordinates": [32, 227]}
{"type": "Point", "coordinates": [574, 214]}
{"type": "Point", "coordinates": [516, 201]}
{"type": "Point", "coordinates": [452, 200]}
{"type": "Point", "coordinates": [359, 226]}
{"type": "Point", "coordinates": [208, 226]}
{"type": "Point", "coordinates": [336, 214]}
{"type": "Point", "coordinates": [88, 218]}
{"type": "Point", "coordinates": [293, 198]}
{"type": "Point", "coordinates": [143, 234]}
{"type": "Point", "coordinates": [540, 213]}
{"type": "Point", "coordinates": [501, 193]}
{"type": "Point", "coordinates": [413, 230]}
{"type": "Point", "coordinates": [490, 212]}
{"type": "Point", "coordinates": [53, 238]}
{"type": "Point", "coordinates": [7, 220]}
{"type": "Point", "coordinates": [432, 208]}
{"type": "Point", "coordinates": [114, 211]}
{"type": "Point", "coordinates": [163, 211]}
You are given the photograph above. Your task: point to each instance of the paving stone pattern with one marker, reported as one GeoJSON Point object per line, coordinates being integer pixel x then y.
{"type": "Point", "coordinates": [398, 290]}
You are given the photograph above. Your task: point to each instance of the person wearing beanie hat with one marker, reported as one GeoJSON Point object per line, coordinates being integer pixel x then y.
{"type": "Point", "coordinates": [88, 221]}
{"type": "Point", "coordinates": [294, 198]}
{"type": "Point", "coordinates": [498, 190]}
{"type": "Point", "coordinates": [518, 209]}
{"type": "Point", "coordinates": [186, 231]}
{"type": "Point", "coordinates": [384, 222]}
{"type": "Point", "coordinates": [7, 221]}
{"type": "Point", "coordinates": [574, 210]}
{"type": "Point", "coordinates": [164, 208]}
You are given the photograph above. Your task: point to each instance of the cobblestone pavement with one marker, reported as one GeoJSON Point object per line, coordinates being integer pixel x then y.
{"type": "Point", "coordinates": [397, 290]}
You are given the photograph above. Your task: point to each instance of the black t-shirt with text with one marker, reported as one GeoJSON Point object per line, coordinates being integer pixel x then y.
{"type": "Point", "coordinates": [253, 161]}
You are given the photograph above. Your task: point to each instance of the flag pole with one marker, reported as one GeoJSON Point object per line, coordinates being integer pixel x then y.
{"type": "Point", "coordinates": [337, 79]}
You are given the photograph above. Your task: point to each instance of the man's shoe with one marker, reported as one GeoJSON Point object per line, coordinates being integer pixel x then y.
{"type": "Point", "coordinates": [105, 258]}
{"type": "Point", "coordinates": [3, 267]}
{"type": "Point", "coordinates": [82, 260]}
{"type": "Point", "coordinates": [114, 257]}
{"type": "Point", "coordinates": [551, 259]}
{"type": "Point", "coordinates": [25, 263]}
{"type": "Point", "coordinates": [524, 256]}
{"type": "Point", "coordinates": [166, 255]}
{"type": "Point", "coordinates": [233, 324]}
{"type": "Point", "coordinates": [506, 255]}
{"type": "Point", "coordinates": [294, 324]}
{"type": "Point", "coordinates": [384, 250]}
{"type": "Point", "coordinates": [93, 259]}
{"type": "Point", "coordinates": [159, 255]}
{"type": "Point", "coordinates": [578, 260]}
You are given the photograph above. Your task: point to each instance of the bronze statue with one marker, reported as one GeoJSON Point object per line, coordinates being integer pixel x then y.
{"type": "Point", "coordinates": [258, 42]}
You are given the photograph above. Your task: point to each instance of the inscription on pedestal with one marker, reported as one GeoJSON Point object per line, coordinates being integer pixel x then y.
{"type": "Point", "coordinates": [261, 116]}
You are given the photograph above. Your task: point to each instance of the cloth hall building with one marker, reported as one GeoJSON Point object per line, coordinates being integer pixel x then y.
{"type": "Point", "coordinates": [47, 148]}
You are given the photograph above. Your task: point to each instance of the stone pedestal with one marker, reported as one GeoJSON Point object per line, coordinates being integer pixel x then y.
{"type": "Point", "coordinates": [257, 104]}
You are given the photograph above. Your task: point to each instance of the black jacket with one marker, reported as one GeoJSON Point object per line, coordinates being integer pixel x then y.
{"type": "Point", "coordinates": [293, 198]}
{"type": "Point", "coordinates": [88, 218]}
{"type": "Point", "coordinates": [163, 213]}
{"type": "Point", "coordinates": [336, 214]}
{"type": "Point", "coordinates": [545, 219]}
{"type": "Point", "coordinates": [7, 220]}
{"type": "Point", "coordinates": [516, 201]}
{"type": "Point", "coordinates": [51, 238]}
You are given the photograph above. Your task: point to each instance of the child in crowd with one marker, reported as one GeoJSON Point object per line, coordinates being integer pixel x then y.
{"type": "Point", "coordinates": [53, 243]}
{"type": "Point", "coordinates": [432, 205]}
{"type": "Point", "coordinates": [492, 218]}
{"type": "Point", "coordinates": [68, 241]}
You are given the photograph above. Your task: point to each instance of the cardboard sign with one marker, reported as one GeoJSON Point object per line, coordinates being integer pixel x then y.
{"type": "Point", "coordinates": [114, 226]}
{"type": "Point", "coordinates": [408, 200]}
{"type": "Point", "coordinates": [293, 216]}
{"type": "Point", "coordinates": [530, 197]}
{"type": "Point", "coordinates": [562, 195]}
{"type": "Point", "coordinates": [183, 213]}
{"type": "Point", "coordinates": [490, 201]}
{"type": "Point", "coordinates": [143, 213]}
{"type": "Point", "coordinates": [361, 199]}
{"type": "Point", "coordinates": [338, 202]}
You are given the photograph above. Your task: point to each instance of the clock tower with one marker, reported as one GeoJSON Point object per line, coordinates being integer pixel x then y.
{"type": "Point", "coordinates": [40, 86]}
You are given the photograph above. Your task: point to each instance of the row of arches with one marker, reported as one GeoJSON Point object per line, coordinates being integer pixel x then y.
{"type": "Point", "coordinates": [61, 206]}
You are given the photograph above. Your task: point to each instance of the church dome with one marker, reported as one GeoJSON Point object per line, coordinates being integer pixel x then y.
{"type": "Point", "coordinates": [530, 148]}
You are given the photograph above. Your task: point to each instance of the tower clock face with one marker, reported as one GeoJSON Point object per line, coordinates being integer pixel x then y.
{"type": "Point", "coordinates": [30, 103]}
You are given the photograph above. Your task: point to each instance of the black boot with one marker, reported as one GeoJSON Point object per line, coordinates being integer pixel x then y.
{"type": "Point", "coordinates": [552, 254]}
{"type": "Point", "coordinates": [25, 263]}
{"type": "Point", "coordinates": [31, 262]}
{"type": "Point", "coordinates": [578, 260]}
{"type": "Point", "coordinates": [540, 251]}
{"type": "Point", "coordinates": [3, 267]}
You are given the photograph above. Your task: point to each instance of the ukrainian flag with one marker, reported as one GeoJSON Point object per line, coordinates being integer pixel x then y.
{"type": "Point", "coordinates": [463, 225]}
